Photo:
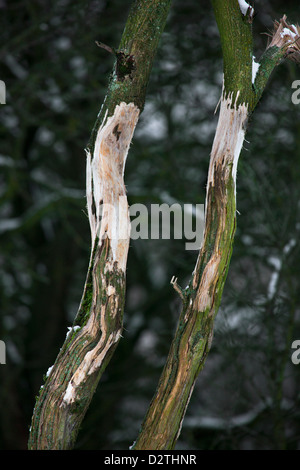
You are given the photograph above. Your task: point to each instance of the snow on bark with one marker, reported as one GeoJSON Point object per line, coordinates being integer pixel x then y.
{"type": "Point", "coordinates": [255, 67]}
{"type": "Point", "coordinates": [244, 6]}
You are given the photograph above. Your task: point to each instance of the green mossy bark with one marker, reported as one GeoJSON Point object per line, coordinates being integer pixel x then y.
{"type": "Point", "coordinates": [268, 61]}
{"type": "Point", "coordinates": [237, 49]}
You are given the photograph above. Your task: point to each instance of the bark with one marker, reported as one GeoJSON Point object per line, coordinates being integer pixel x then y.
{"type": "Point", "coordinates": [201, 299]}
{"type": "Point", "coordinates": [90, 343]}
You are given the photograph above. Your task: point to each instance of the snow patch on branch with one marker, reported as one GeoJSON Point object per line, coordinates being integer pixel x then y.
{"type": "Point", "coordinates": [71, 329]}
{"type": "Point", "coordinates": [244, 7]}
{"type": "Point", "coordinates": [292, 33]}
{"type": "Point", "coordinates": [255, 67]}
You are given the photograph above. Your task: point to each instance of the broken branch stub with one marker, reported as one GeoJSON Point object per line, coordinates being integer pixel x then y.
{"type": "Point", "coordinates": [287, 37]}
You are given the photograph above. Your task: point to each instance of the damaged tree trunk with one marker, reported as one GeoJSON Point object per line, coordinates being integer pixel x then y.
{"type": "Point", "coordinates": [90, 343]}
{"type": "Point", "coordinates": [244, 82]}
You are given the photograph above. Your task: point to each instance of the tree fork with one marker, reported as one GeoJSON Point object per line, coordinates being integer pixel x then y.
{"type": "Point", "coordinates": [90, 343]}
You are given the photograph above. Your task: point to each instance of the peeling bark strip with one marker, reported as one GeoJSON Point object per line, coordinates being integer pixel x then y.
{"type": "Point", "coordinates": [106, 194]}
{"type": "Point", "coordinates": [88, 348]}
{"type": "Point", "coordinates": [214, 256]}
{"type": "Point", "coordinates": [229, 137]}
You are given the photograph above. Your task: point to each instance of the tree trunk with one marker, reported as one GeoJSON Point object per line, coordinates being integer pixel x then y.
{"type": "Point", "coordinates": [90, 343]}
{"type": "Point", "coordinates": [201, 299]}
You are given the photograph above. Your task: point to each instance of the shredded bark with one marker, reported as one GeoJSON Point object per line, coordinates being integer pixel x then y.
{"type": "Point", "coordinates": [286, 36]}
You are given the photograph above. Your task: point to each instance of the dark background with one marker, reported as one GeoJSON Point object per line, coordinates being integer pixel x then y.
{"type": "Point", "coordinates": [247, 396]}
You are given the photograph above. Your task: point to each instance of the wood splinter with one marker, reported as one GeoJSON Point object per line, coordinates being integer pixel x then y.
{"type": "Point", "coordinates": [177, 287]}
{"type": "Point", "coordinates": [107, 48]}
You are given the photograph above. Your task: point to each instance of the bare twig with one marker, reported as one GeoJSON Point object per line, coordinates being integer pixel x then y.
{"type": "Point", "coordinates": [104, 46]}
{"type": "Point", "coordinates": [177, 287]}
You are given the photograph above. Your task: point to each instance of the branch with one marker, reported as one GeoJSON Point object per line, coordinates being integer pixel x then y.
{"type": "Point", "coordinates": [69, 387]}
{"type": "Point", "coordinates": [177, 288]}
{"type": "Point", "coordinates": [192, 340]}
{"type": "Point", "coordinates": [285, 43]}
{"type": "Point", "coordinates": [193, 336]}
{"type": "Point", "coordinates": [235, 28]}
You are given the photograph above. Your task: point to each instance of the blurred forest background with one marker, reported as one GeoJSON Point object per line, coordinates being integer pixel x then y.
{"type": "Point", "coordinates": [248, 395]}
